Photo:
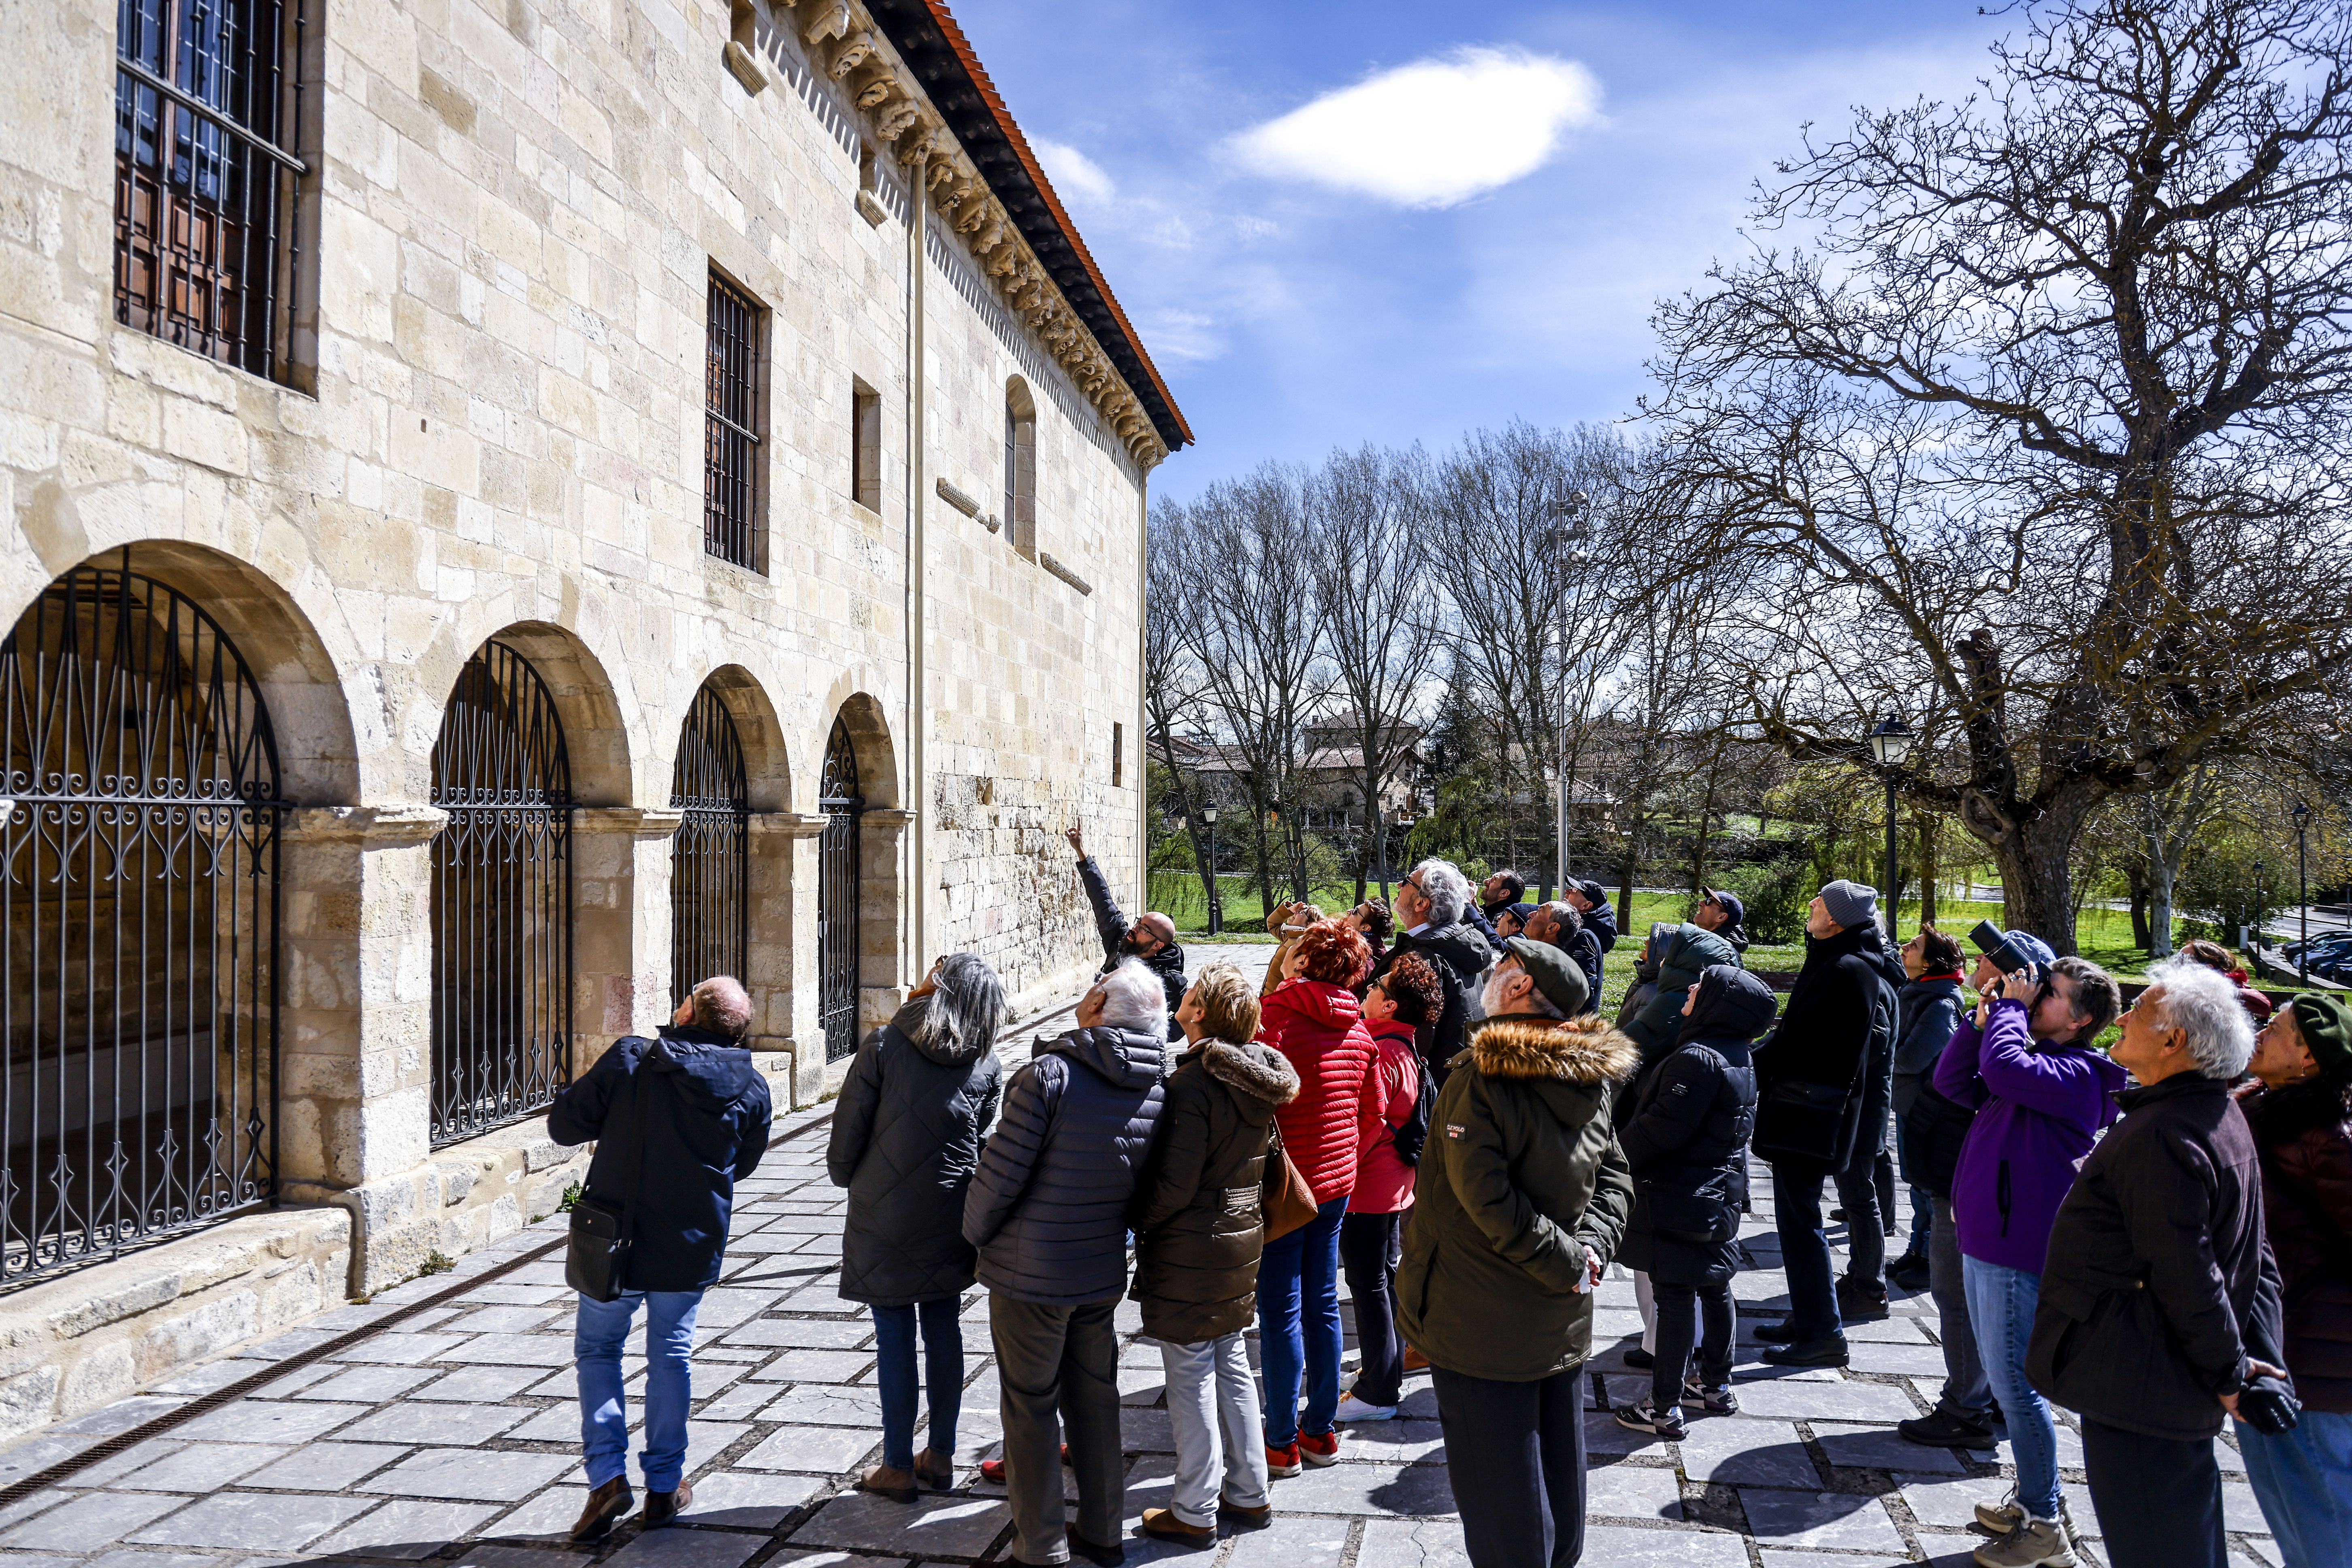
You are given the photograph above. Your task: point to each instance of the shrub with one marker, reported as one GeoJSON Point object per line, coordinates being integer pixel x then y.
{"type": "Point", "coordinates": [1777, 893]}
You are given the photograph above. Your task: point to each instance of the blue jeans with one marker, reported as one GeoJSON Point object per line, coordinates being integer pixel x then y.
{"type": "Point", "coordinates": [1923, 1201]}
{"type": "Point", "coordinates": [1298, 1326]}
{"type": "Point", "coordinates": [598, 1336]}
{"type": "Point", "coordinates": [2000, 1310]}
{"type": "Point", "coordinates": [2304, 1482]}
{"type": "Point", "coordinates": [1805, 1253]}
{"type": "Point", "coordinates": [894, 1369]}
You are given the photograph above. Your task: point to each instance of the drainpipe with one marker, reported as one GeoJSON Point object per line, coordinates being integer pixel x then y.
{"type": "Point", "coordinates": [918, 710]}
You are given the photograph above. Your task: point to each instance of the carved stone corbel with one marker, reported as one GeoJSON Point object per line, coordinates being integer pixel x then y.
{"type": "Point", "coordinates": [827, 19]}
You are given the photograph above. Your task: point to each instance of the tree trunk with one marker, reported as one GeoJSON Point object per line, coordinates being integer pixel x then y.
{"type": "Point", "coordinates": [2160, 871]}
{"type": "Point", "coordinates": [1264, 852]}
{"type": "Point", "coordinates": [1625, 876]}
{"type": "Point", "coordinates": [2138, 878]}
{"type": "Point", "coordinates": [1930, 867]}
{"type": "Point", "coordinates": [2037, 881]}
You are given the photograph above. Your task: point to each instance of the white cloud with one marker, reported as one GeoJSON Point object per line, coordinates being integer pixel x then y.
{"type": "Point", "coordinates": [1433, 132]}
{"type": "Point", "coordinates": [1073, 171]}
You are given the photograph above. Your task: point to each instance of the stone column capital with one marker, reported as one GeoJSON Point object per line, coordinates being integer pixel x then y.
{"type": "Point", "coordinates": [369, 826]}
{"type": "Point", "coordinates": [788, 823]}
{"type": "Point", "coordinates": [892, 817]}
{"type": "Point", "coordinates": [643, 823]}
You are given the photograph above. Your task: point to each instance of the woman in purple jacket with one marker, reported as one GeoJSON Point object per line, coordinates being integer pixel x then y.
{"type": "Point", "coordinates": [2024, 1061]}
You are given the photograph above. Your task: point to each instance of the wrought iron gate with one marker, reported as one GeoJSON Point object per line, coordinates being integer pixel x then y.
{"type": "Point", "coordinates": [837, 894]}
{"type": "Point", "coordinates": [709, 910]}
{"type": "Point", "coordinates": [501, 899]}
{"type": "Point", "coordinates": [138, 905]}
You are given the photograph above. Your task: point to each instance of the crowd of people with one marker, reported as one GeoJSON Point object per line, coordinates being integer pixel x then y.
{"type": "Point", "coordinates": [1425, 1101]}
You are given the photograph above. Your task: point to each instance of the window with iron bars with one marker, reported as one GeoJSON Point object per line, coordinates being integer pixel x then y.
{"type": "Point", "coordinates": [206, 229]}
{"type": "Point", "coordinates": [731, 441]}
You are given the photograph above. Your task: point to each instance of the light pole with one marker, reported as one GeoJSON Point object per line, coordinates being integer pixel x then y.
{"type": "Point", "coordinates": [2302, 814]}
{"type": "Point", "coordinates": [1891, 743]}
{"type": "Point", "coordinates": [2257, 911]}
{"type": "Point", "coordinates": [1217, 905]}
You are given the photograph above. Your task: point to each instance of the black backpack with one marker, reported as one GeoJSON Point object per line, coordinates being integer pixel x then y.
{"type": "Point", "coordinates": [1410, 1136]}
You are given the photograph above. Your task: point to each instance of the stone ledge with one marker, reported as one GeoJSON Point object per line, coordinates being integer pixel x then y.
{"type": "Point", "coordinates": [100, 1333]}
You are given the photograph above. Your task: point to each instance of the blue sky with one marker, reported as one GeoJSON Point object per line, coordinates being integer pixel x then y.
{"type": "Point", "coordinates": [1338, 223]}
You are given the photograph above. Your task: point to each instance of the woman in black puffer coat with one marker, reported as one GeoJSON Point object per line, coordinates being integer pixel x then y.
{"type": "Point", "coordinates": [905, 1138]}
{"type": "Point", "coordinates": [1687, 1142]}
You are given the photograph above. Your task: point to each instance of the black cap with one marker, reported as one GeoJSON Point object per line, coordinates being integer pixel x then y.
{"type": "Point", "coordinates": [1594, 893]}
{"type": "Point", "coordinates": [1731, 905]}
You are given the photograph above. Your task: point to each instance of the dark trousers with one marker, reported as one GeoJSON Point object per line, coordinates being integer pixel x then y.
{"type": "Point", "coordinates": [893, 1370]}
{"type": "Point", "coordinates": [1514, 1455]}
{"type": "Point", "coordinates": [1056, 1365]}
{"type": "Point", "coordinates": [1865, 1222]}
{"type": "Point", "coordinates": [1805, 1250]}
{"type": "Point", "coordinates": [1370, 1246]}
{"type": "Point", "coordinates": [1965, 1386]}
{"type": "Point", "coordinates": [2159, 1498]}
{"type": "Point", "coordinates": [1681, 1310]}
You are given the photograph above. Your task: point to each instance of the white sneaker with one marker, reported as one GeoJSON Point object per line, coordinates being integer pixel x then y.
{"type": "Point", "coordinates": [1354, 1409]}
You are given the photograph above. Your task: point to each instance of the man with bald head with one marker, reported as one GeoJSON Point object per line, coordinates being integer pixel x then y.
{"type": "Point", "coordinates": [677, 1120]}
{"type": "Point", "coordinates": [1152, 939]}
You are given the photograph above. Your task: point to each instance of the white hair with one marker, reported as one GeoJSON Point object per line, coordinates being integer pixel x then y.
{"type": "Point", "coordinates": [1446, 889]}
{"type": "Point", "coordinates": [1134, 999]}
{"type": "Point", "coordinates": [2202, 1004]}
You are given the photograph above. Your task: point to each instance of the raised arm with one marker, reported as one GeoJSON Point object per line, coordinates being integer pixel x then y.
{"type": "Point", "coordinates": [1110, 924]}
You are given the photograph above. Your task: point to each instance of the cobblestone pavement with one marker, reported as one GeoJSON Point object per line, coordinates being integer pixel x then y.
{"type": "Point", "coordinates": [454, 1437]}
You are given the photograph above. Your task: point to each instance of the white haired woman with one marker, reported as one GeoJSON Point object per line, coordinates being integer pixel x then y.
{"type": "Point", "coordinates": [905, 1138]}
{"type": "Point", "coordinates": [2160, 1304]}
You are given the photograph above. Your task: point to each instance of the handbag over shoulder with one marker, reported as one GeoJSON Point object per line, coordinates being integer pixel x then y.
{"type": "Point", "coordinates": [596, 1261]}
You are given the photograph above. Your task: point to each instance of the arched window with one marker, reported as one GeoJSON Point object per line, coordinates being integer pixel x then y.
{"type": "Point", "coordinates": [838, 894]}
{"type": "Point", "coordinates": [501, 899]}
{"type": "Point", "coordinates": [1021, 468]}
{"type": "Point", "coordinates": [709, 859]}
{"type": "Point", "coordinates": [138, 924]}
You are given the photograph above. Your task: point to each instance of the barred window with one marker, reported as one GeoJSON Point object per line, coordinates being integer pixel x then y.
{"type": "Point", "coordinates": [730, 481]}
{"type": "Point", "coordinates": [206, 100]}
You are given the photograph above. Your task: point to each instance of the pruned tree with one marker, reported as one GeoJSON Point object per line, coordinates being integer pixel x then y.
{"type": "Point", "coordinates": [2036, 434]}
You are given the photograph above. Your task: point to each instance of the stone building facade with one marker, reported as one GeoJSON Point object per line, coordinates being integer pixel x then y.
{"type": "Point", "coordinates": [496, 503]}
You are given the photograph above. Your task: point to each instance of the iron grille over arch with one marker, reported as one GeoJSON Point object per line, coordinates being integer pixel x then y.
{"type": "Point", "coordinates": [709, 857]}
{"type": "Point", "coordinates": [139, 923]}
{"type": "Point", "coordinates": [501, 899]}
{"type": "Point", "coordinates": [838, 894]}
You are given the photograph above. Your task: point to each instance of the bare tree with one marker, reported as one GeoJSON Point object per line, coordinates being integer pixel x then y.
{"type": "Point", "coordinates": [2037, 437]}
{"type": "Point", "coordinates": [1381, 613]}
{"type": "Point", "coordinates": [1173, 688]}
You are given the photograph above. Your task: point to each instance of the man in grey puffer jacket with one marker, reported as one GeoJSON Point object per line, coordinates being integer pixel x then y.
{"type": "Point", "coordinates": [1047, 1209]}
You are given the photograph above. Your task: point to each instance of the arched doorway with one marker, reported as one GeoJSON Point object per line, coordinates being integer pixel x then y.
{"type": "Point", "coordinates": [502, 899]}
{"type": "Point", "coordinates": [139, 923]}
{"type": "Point", "coordinates": [839, 949]}
{"type": "Point", "coordinates": [709, 859]}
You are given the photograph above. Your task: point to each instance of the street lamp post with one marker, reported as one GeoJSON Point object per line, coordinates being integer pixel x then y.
{"type": "Point", "coordinates": [1890, 742]}
{"type": "Point", "coordinates": [2257, 911]}
{"type": "Point", "coordinates": [2302, 814]}
{"type": "Point", "coordinates": [1216, 904]}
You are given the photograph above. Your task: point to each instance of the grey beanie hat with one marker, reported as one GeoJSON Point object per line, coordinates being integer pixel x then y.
{"type": "Point", "coordinates": [1851, 904]}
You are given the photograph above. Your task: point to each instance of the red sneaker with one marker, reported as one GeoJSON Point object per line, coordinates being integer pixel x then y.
{"type": "Point", "coordinates": [1320, 1451]}
{"type": "Point", "coordinates": [1283, 1461]}
{"type": "Point", "coordinates": [992, 1470]}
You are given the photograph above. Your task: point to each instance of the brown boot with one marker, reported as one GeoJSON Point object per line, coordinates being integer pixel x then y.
{"type": "Point", "coordinates": [663, 1507]}
{"type": "Point", "coordinates": [605, 1504]}
{"type": "Point", "coordinates": [1257, 1518]}
{"type": "Point", "coordinates": [1414, 1361]}
{"type": "Point", "coordinates": [935, 1470]}
{"type": "Point", "coordinates": [1164, 1524]}
{"type": "Point", "coordinates": [897, 1485]}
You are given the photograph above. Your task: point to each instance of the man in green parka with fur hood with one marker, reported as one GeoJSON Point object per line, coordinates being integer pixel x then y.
{"type": "Point", "coordinates": [1522, 1196]}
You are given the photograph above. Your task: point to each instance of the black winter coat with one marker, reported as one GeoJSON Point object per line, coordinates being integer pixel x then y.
{"type": "Point", "coordinates": [1585, 948]}
{"type": "Point", "coordinates": [1198, 1226]}
{"type": "Point", "coordinates": [1460, 955]}
{"type": "Point", "coordinates": [1601, 920]}
{"type": "Point", "coordinates": [1689, 1129]}
{"type": "Point", "coordinates": [1838, 1030]}
{"type": "Point", "coordinates": [2159, 1284]}
{"type": "Point", "coordinates": [1112, 925]}
{"type": "Point", "coordinates": [2304, 1135]}
{"type": "Point", "coordinates": [905, 1138]}
{"type": "Point", "coordinates": [702, 1112]}
{"type": "Point", "coordinates": [1047, 1208]}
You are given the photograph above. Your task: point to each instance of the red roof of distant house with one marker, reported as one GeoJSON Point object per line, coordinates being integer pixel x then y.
{"type": "Point", "coordinates": [926, 35]}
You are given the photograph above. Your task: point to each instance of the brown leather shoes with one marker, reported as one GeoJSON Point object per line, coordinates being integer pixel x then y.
{"type": "Point", "coordinates": [1251, 1517]}
{"type": "Point", "coordinates": [605, 1504]}
{"type": "Point", "coordinates": [886, 1480]}
{"type": "Point", "coordinates": [663, 1507]}
{"type": "Point", "coordinates": [1414, 1361]}
{"type": "Point", "coordinates": [1163, 1524]}
{"type": "Point", "coordinates": [935, 1470]}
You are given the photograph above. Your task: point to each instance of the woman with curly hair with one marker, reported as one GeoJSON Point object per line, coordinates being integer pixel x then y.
{"type": "Point", "coordinates": [1371, 1235]}
{"type": "Point", "coordinates": [1314, 1019]}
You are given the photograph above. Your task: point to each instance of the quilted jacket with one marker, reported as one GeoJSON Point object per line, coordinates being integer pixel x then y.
{"type": "Point", "coordinates": [1320, 1030]}
{"type": "Point", "coordinates": [905, 1137]}
{"type": "Point", "coordinates": [1047, 1208]}
{"type": "Point", "coordinates": [2304, 1135]}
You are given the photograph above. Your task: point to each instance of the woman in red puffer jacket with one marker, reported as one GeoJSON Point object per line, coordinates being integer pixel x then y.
{"type": "Point", "coordinates": [1314, 1019]}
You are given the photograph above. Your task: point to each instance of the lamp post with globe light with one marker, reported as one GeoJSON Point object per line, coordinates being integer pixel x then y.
{"type": "Point", "coordinates": [1216, 904]}
{"type": "Point", "coordinates": [2302, 814]}
{"type": "Point", "coordinates": [1890, 742]}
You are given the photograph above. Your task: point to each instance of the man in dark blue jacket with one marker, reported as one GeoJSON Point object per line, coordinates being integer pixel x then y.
{"type": "Point", "coordinates": [1047, 1209]}
{"type": "Point", "coordinates": [677, 1121]}
{"type": "Point", "coordinates": [1151, 938]}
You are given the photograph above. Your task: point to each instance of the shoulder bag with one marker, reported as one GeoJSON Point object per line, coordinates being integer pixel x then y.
{"type": "Point", "coordinates": [597, 1262]}
{"type": "Point", "coordinates": [1286, 1200]}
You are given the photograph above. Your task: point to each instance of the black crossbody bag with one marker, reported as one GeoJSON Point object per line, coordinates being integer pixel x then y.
{"type": "Point", "coordinates": [596, 1263]}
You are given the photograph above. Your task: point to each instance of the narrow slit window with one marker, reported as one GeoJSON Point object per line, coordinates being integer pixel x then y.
{"type": "Point", "coordinates": [866, 446]}
{"type": "Point", "coordinates": [731, 489]}
{"type": "Point", "coordinates": [1021, 468]}
{"type": "Point", "coordinates": [1118, 755]}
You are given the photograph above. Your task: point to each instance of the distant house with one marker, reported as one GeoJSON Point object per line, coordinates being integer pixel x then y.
{"type": "Point", "coordinates": [1331, 762]}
